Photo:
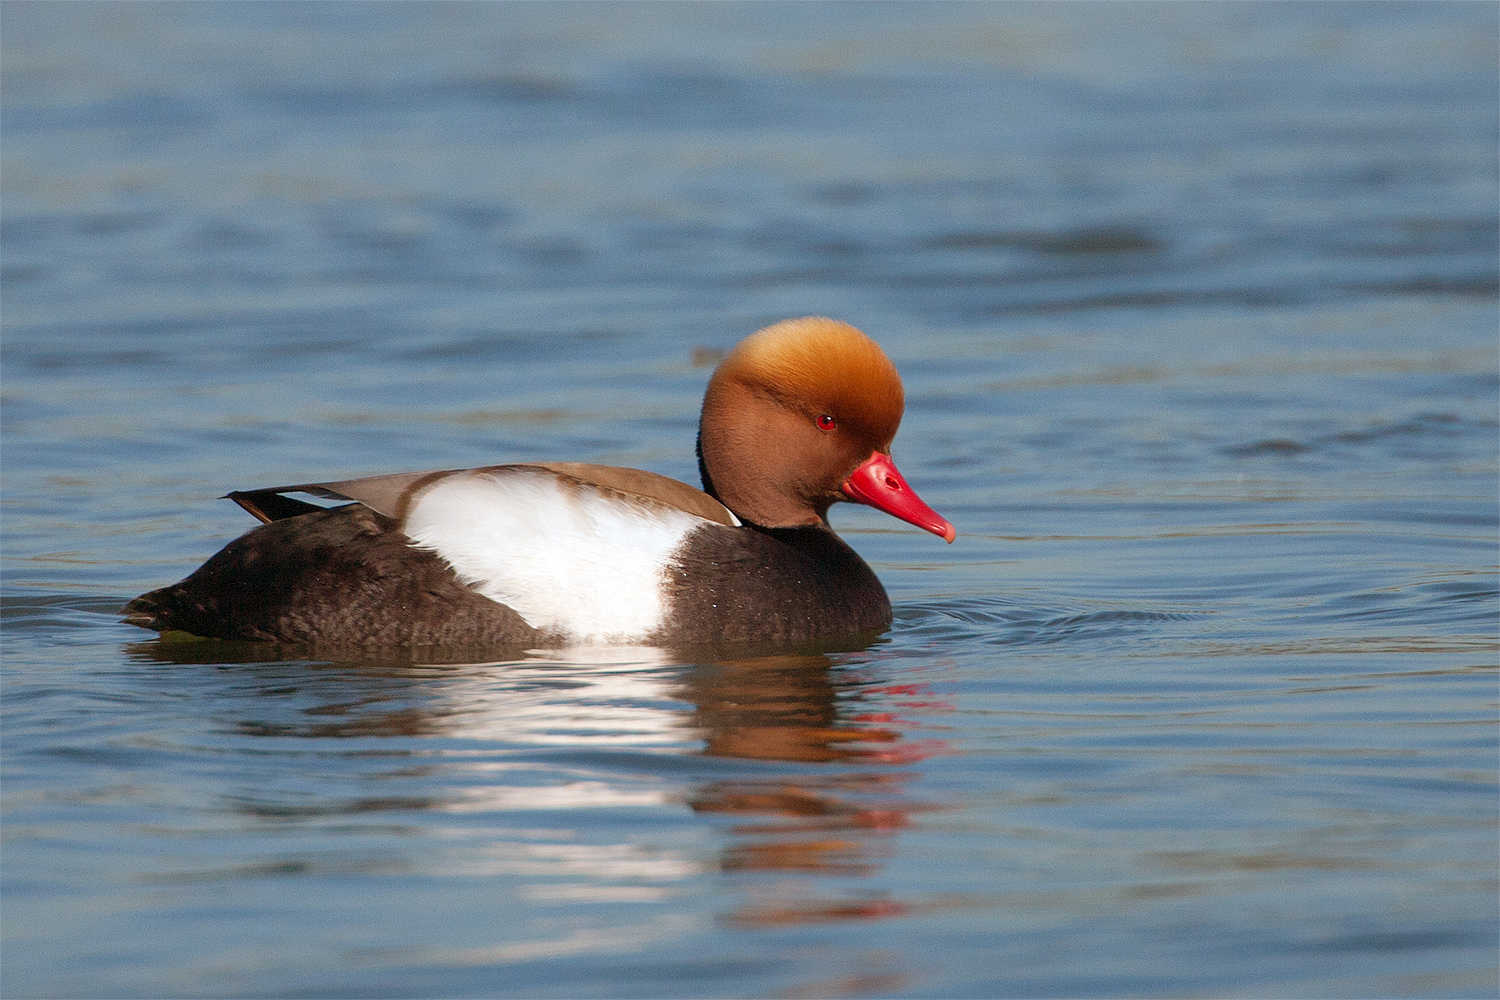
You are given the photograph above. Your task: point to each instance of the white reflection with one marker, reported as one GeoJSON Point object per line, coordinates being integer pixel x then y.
{"type": "Point", "coordinates": [598, 861]}
{"type": "Point", "coordinates": [583, 892]}
{"type": "Point", "coordinates": [612, 696]}
{"type": "Point", "coordinates": [571, 795]}
{"type": "Point", "coordinates": [584, 941]}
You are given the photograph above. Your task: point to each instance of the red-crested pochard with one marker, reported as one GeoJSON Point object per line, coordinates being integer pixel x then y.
{"type": "Point", "coordinates": [798, 417]}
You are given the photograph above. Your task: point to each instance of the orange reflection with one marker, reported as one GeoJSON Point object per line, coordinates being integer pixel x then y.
{"type": "Point", "coordinates": [782, 708]}
{"type": "Point", "coordinates": [817, 912]}
{"type": "Point", "coordinates": [813, 827]}
{"type": "Point", "coordinates": [869, 984]}
{"type": "Point", "coordinates": [832, 817]}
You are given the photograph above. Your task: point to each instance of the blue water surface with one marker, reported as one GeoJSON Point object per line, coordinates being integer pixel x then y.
{"type": "Point", "coordinates": [1196, 309]}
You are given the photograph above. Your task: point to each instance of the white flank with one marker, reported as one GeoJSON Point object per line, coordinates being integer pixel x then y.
{"type": "Point", "coordinates": [580, 562]}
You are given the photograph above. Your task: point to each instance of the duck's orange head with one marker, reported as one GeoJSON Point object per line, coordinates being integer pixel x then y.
{"type": "Point", "coordinates": [801, 415]}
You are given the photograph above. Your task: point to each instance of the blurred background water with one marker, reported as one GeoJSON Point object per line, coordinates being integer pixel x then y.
{"type": "Point", "coordinates": [1196, 308]}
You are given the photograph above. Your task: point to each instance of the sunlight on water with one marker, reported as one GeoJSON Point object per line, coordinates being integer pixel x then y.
{"type": "Point", "coordinates": [1195, 307]}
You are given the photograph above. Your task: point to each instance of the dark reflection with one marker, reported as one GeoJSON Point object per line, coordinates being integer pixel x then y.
{"type": "Point", "coordinates": [180, 647]}
{"type": "Point", "coordinates": [371, 693]}
{"type": "Point", "coordinates": [773, 708]}
{"type": "Point", "coordinates": [789, 708]}
{"type": "Point", "coordinates": [826, 807]}
{"type": "Point", "coordinates": [1076, 242]}
{"type": "Point", "coordinates": [362, 722]}
{"type": "Point", "coordinates": [194, 650]}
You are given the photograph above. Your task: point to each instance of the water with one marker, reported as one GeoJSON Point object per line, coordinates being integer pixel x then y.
{"type": "Point", "coordinates": [1196, 307]}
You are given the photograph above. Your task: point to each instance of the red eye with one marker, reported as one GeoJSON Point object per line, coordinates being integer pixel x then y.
{"type": "Point", "coordinates": [827, 422]}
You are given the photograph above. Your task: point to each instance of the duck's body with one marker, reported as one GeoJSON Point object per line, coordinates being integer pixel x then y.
{"type": "Point", "coordinates": [522, 556]}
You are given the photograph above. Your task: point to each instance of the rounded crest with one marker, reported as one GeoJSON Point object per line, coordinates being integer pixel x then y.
{"type": "Point", "coordinates": [823, 366]}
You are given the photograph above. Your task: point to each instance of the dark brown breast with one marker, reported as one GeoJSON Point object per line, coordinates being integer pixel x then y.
{"type": "Point", "coordinates": [771, 585]}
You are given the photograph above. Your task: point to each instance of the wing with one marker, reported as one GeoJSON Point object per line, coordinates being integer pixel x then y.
{"type": "Point", "coordinates": [393, 495]}
{"type": "Point", "coordinates": [388, 495]}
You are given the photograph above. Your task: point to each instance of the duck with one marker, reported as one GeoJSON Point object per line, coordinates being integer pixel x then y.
{"type": "Point", "coordinates": [797, 417]}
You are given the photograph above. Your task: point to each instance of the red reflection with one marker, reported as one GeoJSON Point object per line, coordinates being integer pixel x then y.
{"type": "Point", "coordinates": [817, 912]}
{"type": "Point", "coordinates": [832, 824]}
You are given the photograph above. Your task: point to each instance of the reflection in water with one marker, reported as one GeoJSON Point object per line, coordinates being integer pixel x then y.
{"type": "Point", "coordinates": [801, 821]}
{"type": "Point", "coordinates": [810, 824]}
{"type": "Point", "coordinates": [774, 708]}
